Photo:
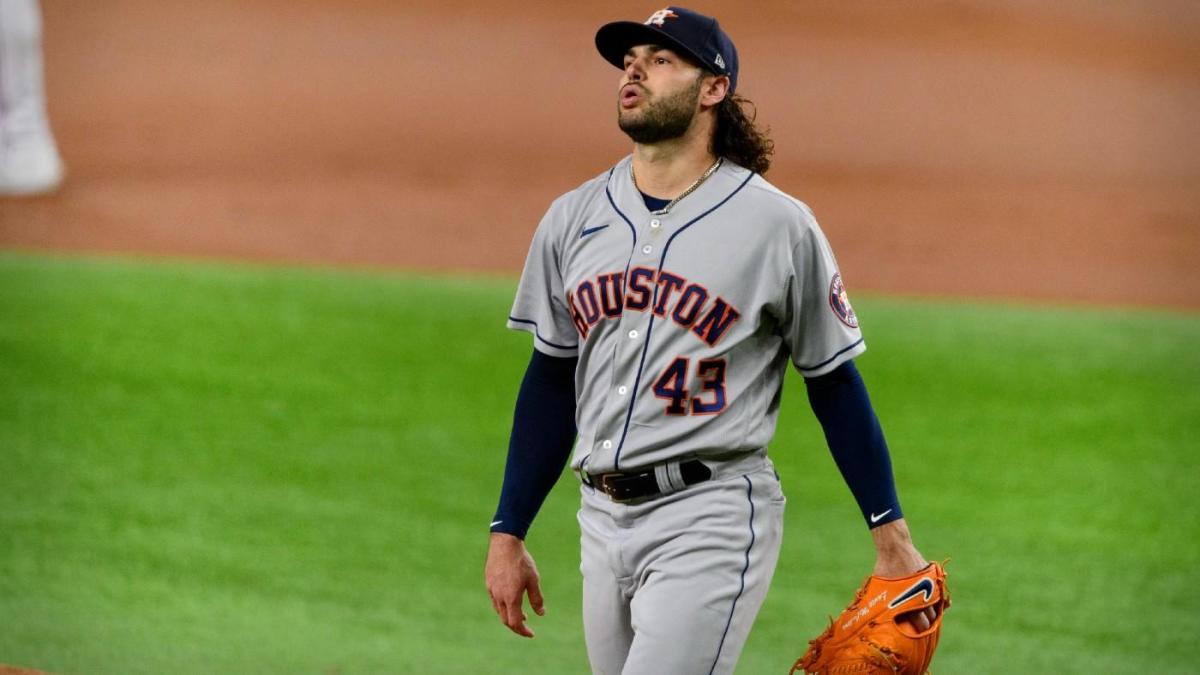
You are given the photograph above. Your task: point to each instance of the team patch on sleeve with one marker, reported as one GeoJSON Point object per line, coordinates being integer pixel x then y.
{"type": "Point", "coordinates": [840, 301]}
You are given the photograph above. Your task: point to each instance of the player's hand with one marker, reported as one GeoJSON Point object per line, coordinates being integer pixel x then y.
{"type": "Point", "coordinates": [510, 574]}
{"type": "Point", "coordinates": [895, 556]}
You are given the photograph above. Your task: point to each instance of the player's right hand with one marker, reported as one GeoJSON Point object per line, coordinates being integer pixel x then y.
{"type": "Point", "coordinates": [510, 574]}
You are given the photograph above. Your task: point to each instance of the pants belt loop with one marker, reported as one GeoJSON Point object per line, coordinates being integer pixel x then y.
{"type": "Point", "coordinates": [583, 473]}
{"type": "Point", "coordinates": [675, 476]}
{"type": "Point", "coordinates": [663, 478]}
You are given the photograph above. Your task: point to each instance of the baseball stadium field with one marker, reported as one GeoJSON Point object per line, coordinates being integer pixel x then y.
{"type": "Point", "coordinates": [239, 468]}
{"type": "Point", "coordinates": [256, 387]}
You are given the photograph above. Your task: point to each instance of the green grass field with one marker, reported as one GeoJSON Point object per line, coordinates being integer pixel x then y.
{"type": "Point", "coordinates": [230, 468]}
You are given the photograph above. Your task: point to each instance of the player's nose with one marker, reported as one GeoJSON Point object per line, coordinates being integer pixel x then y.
{"type": "Point", "coordinates": [634, 71]}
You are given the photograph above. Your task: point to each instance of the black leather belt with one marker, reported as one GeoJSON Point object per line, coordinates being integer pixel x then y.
{"type": "Point", "coordinates": [626, 487]}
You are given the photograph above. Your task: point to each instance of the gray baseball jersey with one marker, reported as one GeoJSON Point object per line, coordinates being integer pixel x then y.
{"type": "Point", "coordinates": [683, 321]}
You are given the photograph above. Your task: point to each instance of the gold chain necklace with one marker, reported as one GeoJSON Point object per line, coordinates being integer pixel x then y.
{"type": "Point", "coordinates": [691, 188]}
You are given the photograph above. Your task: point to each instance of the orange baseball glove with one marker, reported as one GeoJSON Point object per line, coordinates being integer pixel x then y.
{"type": "Point", "coordinates": [870, 636]}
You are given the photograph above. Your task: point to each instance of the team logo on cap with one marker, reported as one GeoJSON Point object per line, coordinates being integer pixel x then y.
{"type": "Point", "coordinates": [660, 17]}
{"type": "Point", "coordinates": [840, 302]}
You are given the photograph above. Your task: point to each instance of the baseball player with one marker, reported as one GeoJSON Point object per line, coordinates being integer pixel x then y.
{"type": "Point", "coordinates": [29, 159]}
{"type": "Point", "coordinates": [666, 298]}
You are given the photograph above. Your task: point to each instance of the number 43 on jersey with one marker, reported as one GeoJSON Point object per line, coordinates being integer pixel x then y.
{"type": "Point", "coordinates": [672, 386]}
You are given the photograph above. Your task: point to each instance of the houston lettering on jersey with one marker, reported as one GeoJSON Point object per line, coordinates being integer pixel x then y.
{"type": "Point", "coordinates": [687, 303]}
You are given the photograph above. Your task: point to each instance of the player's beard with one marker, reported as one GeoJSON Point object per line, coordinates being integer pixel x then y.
{"type": "Point", "coordinates": [664, 119]}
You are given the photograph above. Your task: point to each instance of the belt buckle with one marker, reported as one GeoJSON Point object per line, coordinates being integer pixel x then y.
{"type": "Point", "coordinates": [603, 481]}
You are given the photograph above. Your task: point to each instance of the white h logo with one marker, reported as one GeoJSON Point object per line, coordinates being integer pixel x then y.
{"type": "Point", "coordinates": [659, 17]}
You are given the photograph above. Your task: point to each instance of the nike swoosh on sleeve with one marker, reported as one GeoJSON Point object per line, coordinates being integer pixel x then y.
{"type": "Point", "coordinates": [591, 230]}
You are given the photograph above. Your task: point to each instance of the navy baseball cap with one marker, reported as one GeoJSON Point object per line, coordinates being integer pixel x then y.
{"type": "Point", "coordinates": [680, 29]}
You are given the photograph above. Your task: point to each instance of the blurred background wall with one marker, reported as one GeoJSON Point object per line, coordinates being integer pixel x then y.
{"type": "Point", "coordinates": [1006, 148]}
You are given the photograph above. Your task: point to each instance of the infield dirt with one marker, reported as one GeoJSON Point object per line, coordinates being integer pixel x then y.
{"type": "Point", "coordinates": [13, 670]}
{"type": "Point", "coordinates": [1003, 148]}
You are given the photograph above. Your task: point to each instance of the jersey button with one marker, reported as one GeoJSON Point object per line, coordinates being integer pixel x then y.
{"type": "Point", "coordinates": [647, 249]}
{"type": "Point", "coordinates": [656, 223]}
{"type": "Point", "coordinates": [633, 334]}
{"type": "Point", "coordinates": [622, 390]}
{"type": "Point", "coordinates": [607, 445]}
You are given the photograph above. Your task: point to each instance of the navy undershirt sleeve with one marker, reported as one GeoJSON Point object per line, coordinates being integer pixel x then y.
{"type": "Point", "coordinates": [839, 400]}
{"type": "Point", "coordinates": [542, 435]}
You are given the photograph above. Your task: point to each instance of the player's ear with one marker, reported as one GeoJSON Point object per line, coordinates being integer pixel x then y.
{"type": "Point", "coordinates": [713, 90]}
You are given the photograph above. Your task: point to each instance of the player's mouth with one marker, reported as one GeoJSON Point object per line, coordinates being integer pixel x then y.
{"type": "Point", "coordinates": [631, 94]}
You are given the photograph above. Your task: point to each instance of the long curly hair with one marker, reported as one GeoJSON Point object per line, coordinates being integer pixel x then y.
{"type": "Point", "coordinates": [738, 139]}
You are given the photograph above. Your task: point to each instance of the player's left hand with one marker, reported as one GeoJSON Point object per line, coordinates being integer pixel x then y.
{"type": "Point", "coordinates": [895, 557]}
{"type": "Point", "coordinates": [872, 636]}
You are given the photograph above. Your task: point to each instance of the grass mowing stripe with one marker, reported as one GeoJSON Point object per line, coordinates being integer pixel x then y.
{"type": "Point", "coordinates": [246, 469]}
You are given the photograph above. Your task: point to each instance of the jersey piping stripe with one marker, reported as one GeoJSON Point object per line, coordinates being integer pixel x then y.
{"type": "Point", "coordinates": [632, 230]}
{"type": "Point", "coordinates": [637, 381]}
{"type": "Point", "coordinates": [742, 588]}
{"type": "Point", "coordinates": [830, 359]}
{"type": "Point", "coordinates": [625, 280]}
{"type": "Point", "coordinates": [539, 336]}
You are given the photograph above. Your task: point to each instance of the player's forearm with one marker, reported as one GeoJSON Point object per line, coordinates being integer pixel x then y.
{"type": "Point", "coordinates": [542, 434]}
{"type": "Point", "coordinates": [895, 554]}
{"type": "Point", "coordinates": [892, 537]}
{"type": "Point", "coordinates": [840, 402]}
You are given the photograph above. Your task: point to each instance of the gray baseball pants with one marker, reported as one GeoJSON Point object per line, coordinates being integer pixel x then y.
{"type": "Point", "coordinates": [671, 586]}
